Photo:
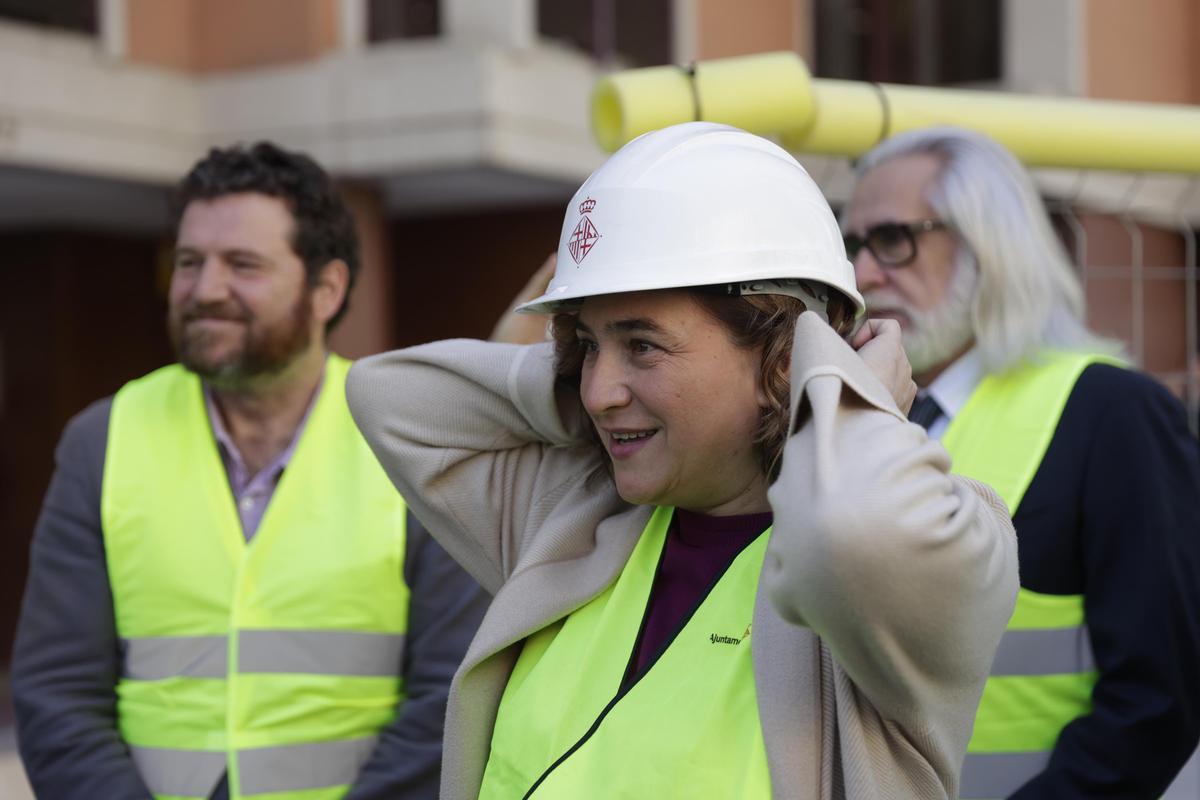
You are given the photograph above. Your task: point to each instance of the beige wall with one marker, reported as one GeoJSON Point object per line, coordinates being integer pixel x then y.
{"type": "Point", "coordinates": [752, 26]}
{"type": "Point", "coordinates": [1144, 50]}
{"type": "Point", "coordinates": [212, 35]}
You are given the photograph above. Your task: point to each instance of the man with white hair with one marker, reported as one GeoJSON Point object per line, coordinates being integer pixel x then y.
{"type": "Point", "coordinates": [1093, 692]}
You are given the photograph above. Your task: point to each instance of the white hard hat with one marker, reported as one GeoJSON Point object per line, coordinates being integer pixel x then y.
{"type": "Point", "coordinates": [699, 204]}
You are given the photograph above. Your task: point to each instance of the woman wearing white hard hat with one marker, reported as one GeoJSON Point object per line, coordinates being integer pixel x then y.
{"type": "Point", "coordinates": [723, 563]}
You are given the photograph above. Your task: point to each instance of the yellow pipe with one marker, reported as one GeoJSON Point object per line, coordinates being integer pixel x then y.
{"type": "Point", "coordinates": [765, 94]}
{"type": "Point", "coordinates": [773, 94]}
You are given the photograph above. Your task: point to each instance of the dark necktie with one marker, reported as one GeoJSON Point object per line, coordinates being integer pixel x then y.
{"type": "Point", "coordinates": [925, 411]}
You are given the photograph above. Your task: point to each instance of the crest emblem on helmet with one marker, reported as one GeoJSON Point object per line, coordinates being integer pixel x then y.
{"type": "Point", "coordinates": [584, 237]}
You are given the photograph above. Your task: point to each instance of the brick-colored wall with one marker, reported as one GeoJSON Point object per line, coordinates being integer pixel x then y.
{"type": "Point", "coordinates": [752, 26]}
{"type": "Point", "coordinates": [1143, 51]}
{"type": "Point", "coordinates": [1110, 278]}
{"type": "Point", "coordinates": [369, 325]}
{"type": "Point", "coordinates": [213, 35]}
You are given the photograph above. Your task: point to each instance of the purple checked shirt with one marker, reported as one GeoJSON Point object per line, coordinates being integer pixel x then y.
{"type": "Point", "coordinates": [251, 493]}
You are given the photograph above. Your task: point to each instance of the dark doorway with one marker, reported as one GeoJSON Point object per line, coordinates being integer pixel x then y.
{"type": "Point", "coordinates": [80, 314]}
{"type": "Point", "coordinates": [456, 274]}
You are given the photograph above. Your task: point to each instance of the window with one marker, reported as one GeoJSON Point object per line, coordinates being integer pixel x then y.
{"type": "Point", "coordinates": [637, 32]}
{"type": "Point", "coordinates": [402, 19]}
{"type": "Point", "coordinates": [69, 15]}
{"type": "Point", "coordinates": [926, 42]}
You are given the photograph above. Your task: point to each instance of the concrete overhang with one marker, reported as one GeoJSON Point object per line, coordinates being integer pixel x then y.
{"type": "Point", "coordinates": [470, 125]}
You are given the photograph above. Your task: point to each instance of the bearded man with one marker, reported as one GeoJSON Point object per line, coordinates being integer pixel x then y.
{"type": "Point", "coordinates": [1093, 692]}
{"type": "Point", "coordinates": [227, 598]}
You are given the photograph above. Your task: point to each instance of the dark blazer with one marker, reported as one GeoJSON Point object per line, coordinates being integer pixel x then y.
{"type": "Point", "coordinates": [1113, 513]}
{"type": "Point", "coordinates": [66, 660]}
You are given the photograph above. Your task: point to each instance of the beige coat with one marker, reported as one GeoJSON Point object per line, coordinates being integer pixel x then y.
{"type": "Point", "coordinates": [885, 591]}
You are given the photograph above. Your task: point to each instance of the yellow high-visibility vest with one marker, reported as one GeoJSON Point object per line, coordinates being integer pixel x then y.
{"type": "Point", "coordinates": [571, 725]}
{"type": "Point", "coordinates": [278, 660]}
{"type": "Point", "coordinates": [1043, 674]}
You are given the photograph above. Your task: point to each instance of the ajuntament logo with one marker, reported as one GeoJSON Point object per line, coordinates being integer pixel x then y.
{"type": "Point", "coordinates": [717, 638]}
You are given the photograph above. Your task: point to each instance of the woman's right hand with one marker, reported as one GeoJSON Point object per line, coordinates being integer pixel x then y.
{"type": "Point", "coordinates": [878, 344]}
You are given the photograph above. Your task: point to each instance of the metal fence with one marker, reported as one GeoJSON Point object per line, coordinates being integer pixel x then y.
{"type": "Point", "coordinates": [1134, 240]}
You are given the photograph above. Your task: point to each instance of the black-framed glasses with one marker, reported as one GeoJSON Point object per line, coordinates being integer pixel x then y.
{"type": "Point", "coordinates": [893, 244]}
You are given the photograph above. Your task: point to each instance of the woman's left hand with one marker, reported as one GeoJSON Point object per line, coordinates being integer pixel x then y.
{"type": "Point", "coordinates": [878, 344]}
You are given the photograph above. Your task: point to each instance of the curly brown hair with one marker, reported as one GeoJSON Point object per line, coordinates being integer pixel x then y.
{"type": "Point", "coordinates": [765, 323]}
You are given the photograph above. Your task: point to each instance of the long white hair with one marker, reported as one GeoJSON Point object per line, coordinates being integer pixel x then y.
{"type": "Point", "coordinates": [1028, 296]}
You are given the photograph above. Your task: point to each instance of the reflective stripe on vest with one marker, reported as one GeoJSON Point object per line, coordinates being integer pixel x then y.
{"type": "Point", "coordinates": [276, 660]}
{"type": "Point", "coordinates": [687, 726]}
{"type": "Point", "coordinates": [288, 768]}
{"type": "Point", "coordinates": [1044, 671]}
{"type": "Point", "coordinates": [318, 652]}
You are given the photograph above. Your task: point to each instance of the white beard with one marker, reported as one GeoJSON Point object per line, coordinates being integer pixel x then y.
{"type": "Point", "coordinates": [936, 335]}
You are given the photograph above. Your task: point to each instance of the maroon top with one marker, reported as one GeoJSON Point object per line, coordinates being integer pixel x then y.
{"type": "Point", "coordinates": [698, 551]}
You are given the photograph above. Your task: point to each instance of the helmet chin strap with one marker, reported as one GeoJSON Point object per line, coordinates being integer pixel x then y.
{"type": "Point", "coordinates": [814, 295]}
